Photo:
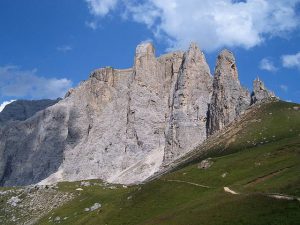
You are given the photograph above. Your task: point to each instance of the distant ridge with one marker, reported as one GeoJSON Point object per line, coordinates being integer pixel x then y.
{"type": "Point", "coordinates": [23, 109]}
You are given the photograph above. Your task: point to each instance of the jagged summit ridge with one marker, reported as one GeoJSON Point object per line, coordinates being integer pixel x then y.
{"type": "Point", "coordinates": [122, 126]}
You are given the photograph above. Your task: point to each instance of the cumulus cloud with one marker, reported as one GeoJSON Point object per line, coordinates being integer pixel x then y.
{"type": "Point", "coordinates": [146, 13]}
{"type": "Point", "coordinates": [268, 65]}
{"type": "Point", "coordinates": [291, 61]}
{"type": "Point", "coordinates": [5, 103]}
{"type": "Point", "coordinates": [18, 83]}
{"type": "Point", "coordinates": [213, 24]}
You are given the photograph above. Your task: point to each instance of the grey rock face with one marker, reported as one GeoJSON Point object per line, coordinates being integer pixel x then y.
{"type": "Point", "coordinates": [32, 149]}
{"type": "Point", "coordinates": [229, 98]}
{"type": "Point", "coordinates": [189, 105]}
{"type": "Point", "coordinates": [122, 126]}
{"type": "Point", "coordinates": [260, 92]}
{"type": "Point", "coordinates": [23, 109]}
{"type": "Point", "coordinates": [110, 127]}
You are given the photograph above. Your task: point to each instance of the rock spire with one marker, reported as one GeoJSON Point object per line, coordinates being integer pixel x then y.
{"type": "Point", "coordinates": [260, 92]}
{"type": "Point", "coordinates": [229, 98]}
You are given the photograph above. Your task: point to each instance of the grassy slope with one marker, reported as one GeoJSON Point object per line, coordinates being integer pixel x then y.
{"type": "Point", "coordinates": [269, 163]}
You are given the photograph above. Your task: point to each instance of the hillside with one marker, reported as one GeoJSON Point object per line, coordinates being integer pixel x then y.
{"type": "Point", "coordinates": [253, 179]}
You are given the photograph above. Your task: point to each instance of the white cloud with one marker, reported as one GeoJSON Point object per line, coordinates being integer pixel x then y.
{"type": "Point", "coordinates": [92, 24]}
{"type": "Point", "coordinates": [146, 13]}
{"type": "Point", "coordinates": [268, 65]}
{"type": "Point", "coordinates": [5, 103]}
{"type": "Point", "coordinates": [64, 48]}
{"type": "Point", "coordinates": [101, 7]}
{"type": "Point", "coordinates": [291, 61]}
{"type": "Point", "coordinates": [284, 87]}
{"type": "Point", "coordinates": [213, 24]}
{"type": "Point", "coordinates": [18, 83]}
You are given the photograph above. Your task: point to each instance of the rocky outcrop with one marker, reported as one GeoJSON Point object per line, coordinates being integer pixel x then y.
{"type": "Point", "coordinates": [29, 204]}
{"type": "Point", "coordinates": [260, 92]}
{"type": "Point", "coordinates": [122, 126]}
{"type": "Point", "coordinates": [229, 98]}
{"type": "Point", "coordinates": [23, 109]}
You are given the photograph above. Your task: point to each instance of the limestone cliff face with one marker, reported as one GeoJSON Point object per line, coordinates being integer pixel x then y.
{"type": "Point", "coordinates": [122, 126]}
{"type": "Point", "coordinates": [229, 98]}
{"type": "Point", "coordinates": [189, 104]}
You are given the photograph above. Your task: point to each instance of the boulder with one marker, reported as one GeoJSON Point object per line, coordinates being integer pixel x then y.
{"type": "Point", "coordinates": [205, 164]}
{"type": "Point", "coordinates": [13, 201]}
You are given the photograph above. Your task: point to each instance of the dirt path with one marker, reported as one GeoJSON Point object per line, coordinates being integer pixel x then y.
{"type": "Point", "coordinates": [186, 182]}
{"type": "Point", "coordinates": [230, 191]}
{"type": "Point", "coordinates": [265, 177]}
{"type": "Point", "coordinates": [275, 195]}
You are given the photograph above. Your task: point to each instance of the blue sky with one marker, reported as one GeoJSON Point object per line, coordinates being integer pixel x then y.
{"type": "Point", "coordinates": [48, 46]}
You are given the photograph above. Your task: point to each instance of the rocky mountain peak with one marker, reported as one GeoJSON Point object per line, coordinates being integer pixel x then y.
{"type": "Point", "coordinates": [229, 98]}
{"type": "Point", "coordinates": [226, 65]}
{"type": "Point", "coordinates": [193, 49]}
{"type": "Point", "coordinates": [193, 89]}
{"type": "Point", "coordinates": [146, 67]}
{"type": "Point", "coordinates": [144, 51]}
{"type": "Point", "coordinates": [260, 92]}
{"type": "Point", "coordinates": [195, 56]}
{"type": "Point", "coordinates": [122, 126]}
{"type": "Point", "coordinates": [145, 48]}
{"type": "Point", "coordinates": [227, 55]}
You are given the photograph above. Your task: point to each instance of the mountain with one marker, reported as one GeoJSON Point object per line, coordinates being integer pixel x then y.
{"type": "Point", "coordinates": [21, 110]}
{"type": "Point", "coordinates": [124, 126]}
{"type": "Point", "coordinates": [248, 173]}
